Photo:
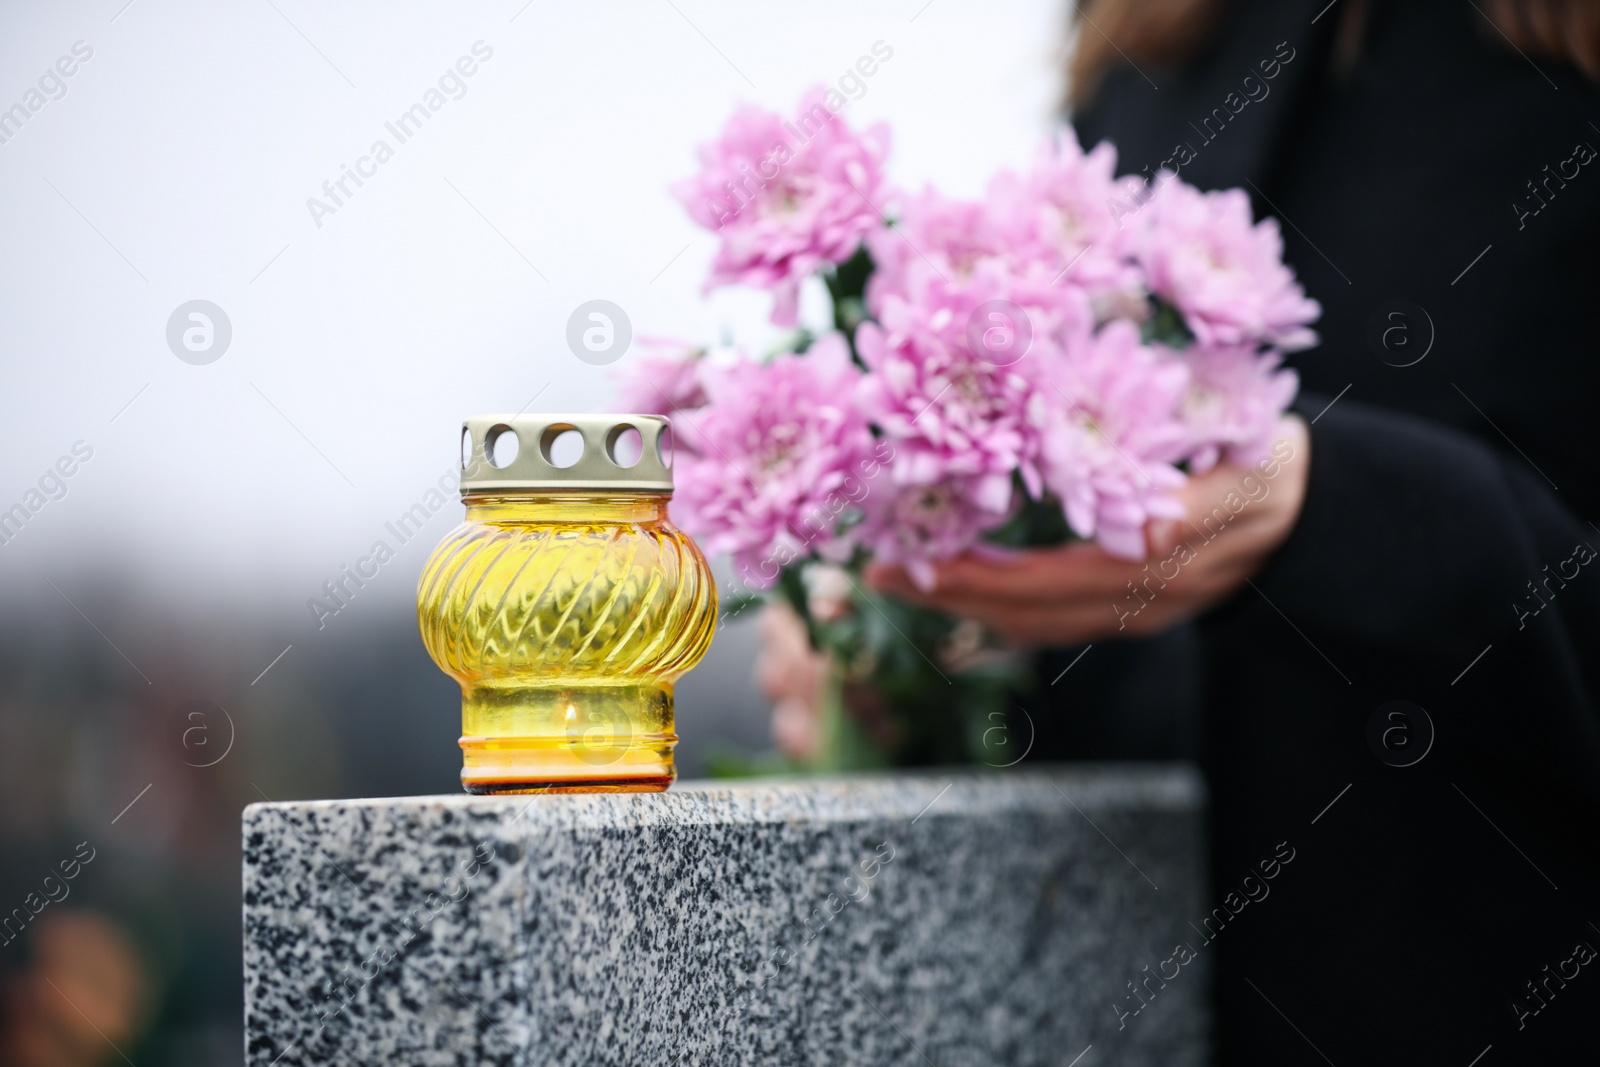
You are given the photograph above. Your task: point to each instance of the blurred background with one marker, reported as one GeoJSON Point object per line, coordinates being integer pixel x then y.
{"type": "Point", "coordinates": [169, 509]}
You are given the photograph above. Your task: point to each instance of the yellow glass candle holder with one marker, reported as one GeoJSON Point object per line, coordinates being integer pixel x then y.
{"type": "Point", "coordinates": [566, 605]}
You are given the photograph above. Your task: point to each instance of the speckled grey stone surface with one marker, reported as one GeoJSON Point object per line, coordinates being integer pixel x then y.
{"type": "Point", "coordinates": [947, 919]}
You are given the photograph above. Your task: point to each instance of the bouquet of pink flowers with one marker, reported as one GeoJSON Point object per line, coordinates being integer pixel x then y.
{"type": "Point", "coordinates": [1048, 362]}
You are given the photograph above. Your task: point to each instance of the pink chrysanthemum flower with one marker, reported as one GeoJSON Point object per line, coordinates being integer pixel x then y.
{"type": "Point", "coordinates": [936, 245]}
{"type": "Point", "coordinates": [952, 404]}
{"type": "Point", "coordinates": [1064, 216]}
{"type": "Point", "coordinates": [1226, 275]}
{"type": "Point", "coordinates": [1234, 401]}
{"type": "Point", "coordinates": [1048, 240]}
{"type": "Point", "coordinates": [787, 198]}
{"type": "Point", "coordinates": [664, 379]}
{"type": "Point", "coordinates": [1110, 437]}
{"type": "Point", "coordinates": [780, 455]}
{"type": "Point", "coordinates": [919, 526]}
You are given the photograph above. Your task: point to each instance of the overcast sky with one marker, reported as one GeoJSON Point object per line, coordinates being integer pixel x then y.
{"type": "Point", "coordinates": [175, 162]}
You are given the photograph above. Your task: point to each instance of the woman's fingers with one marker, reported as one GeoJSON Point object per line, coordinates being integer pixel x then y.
{"type": "Point", "coordinates": [1235, 518]}
{"type": "Point", "coordinates": [1052, 626]}
{"type": "Point", "coordinates": [787, 667]}
{"type": "Point", "coordinates": [790, 674]}
{"type": "Point", "coordinates": [1065, 572]}
{"type": "Point", "coordinates": [1106, 598]}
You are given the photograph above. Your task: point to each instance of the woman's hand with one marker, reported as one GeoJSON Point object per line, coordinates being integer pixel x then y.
{"type": "Point", "coordinates": [791, 674]}
{"type": "Point", "coordinates": [1236, 518]}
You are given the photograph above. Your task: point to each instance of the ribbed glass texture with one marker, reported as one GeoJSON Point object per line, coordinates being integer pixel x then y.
{"type": "Point", "coordinates": [566, 619]}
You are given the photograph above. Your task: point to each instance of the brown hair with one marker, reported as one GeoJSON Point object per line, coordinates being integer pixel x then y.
{"type": "Point", "coordinates": [1169, 31]}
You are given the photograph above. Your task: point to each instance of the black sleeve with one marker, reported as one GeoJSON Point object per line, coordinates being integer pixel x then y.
{"type": "Point", "coordinates": [1426, 541]}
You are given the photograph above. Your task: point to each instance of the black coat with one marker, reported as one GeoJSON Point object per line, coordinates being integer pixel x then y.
{"type": "Point", "coordinates": [1443, 557]}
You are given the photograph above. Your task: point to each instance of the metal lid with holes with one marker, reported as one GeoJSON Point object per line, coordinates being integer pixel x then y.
{"type": "Point", "coordinates": [510, 453]}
